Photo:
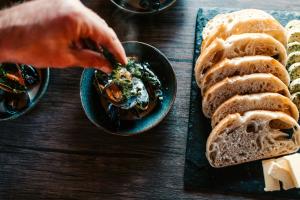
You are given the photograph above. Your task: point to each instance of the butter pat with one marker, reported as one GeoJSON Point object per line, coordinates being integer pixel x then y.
{"type": "Point", "coordinates": [271, 184]}
{"type": "Point", "coordinates": [294, 164]}
{"type": "Point", "coordinates": [281, 173]}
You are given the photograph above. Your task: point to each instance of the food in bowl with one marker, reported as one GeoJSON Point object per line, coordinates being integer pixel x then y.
{"type": "Point", "coordinates": [130, 92]}
{"type": "Point", "coordinates": [17, 83]}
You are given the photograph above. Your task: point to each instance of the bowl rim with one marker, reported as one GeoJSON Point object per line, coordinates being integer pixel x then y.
{"type": "Point", "coordinates": [146, 12]}
{"type": "Point", "coordinates": [41, 93]}
{"type": "Point", "coordinates": [161, 118]}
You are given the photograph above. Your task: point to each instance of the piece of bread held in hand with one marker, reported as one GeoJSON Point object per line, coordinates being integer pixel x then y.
{"type": "Point", "coordinates": [263, 101]}
{"type": "Point", "coordinates": [247, 44]}
{"type": "Point", "coordinates": [241, 85]}
{"type": "Point", "coordinates": [243, 21]}
{"type": "Point", "coordinates": [253, 136]}
{"type": "Point", "coordinates": [242, 66]}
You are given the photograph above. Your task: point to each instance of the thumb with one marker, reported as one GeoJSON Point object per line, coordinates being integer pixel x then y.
{"type": "Point", "coordinates": [90, 59]}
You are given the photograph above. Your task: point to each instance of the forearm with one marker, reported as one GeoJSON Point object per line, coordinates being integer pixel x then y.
{"type": "Point", "coordinates": [6, 33]}
{"type": "Point", "coordinates": [12, 28]}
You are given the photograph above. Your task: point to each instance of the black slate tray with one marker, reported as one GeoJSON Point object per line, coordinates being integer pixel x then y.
{"type": "Point", "coordinates": [199, 175]}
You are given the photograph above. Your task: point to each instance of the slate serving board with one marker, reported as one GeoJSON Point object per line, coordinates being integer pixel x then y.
{"type": "Point", "coordinates": [199, 175]}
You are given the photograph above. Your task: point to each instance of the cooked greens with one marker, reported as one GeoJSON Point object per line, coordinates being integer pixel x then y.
{"type": "Point", "coordinates": [130, 87]}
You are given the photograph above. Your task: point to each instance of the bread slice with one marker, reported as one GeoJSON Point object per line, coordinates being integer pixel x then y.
{"type": "Point", "coordinates": [293, 46]}
{"type": "Point", "coordinates": [295, 86]}
{"type": "Point", "coordinates": [247, 44]}
{"type": "Point", "coordinates": [292, 25]}
{"type": "Point", "coordinates": [296, 99]}
{"type": "Point", "coordinates": [241, 85]}
{"type": "Point", "coordinates": [293, 58]}
{"type": "Point", "coordinates": [253, 136]}
{"type": "Point", "coordinates": [263, 101]}
{"type": "Point", "coordinates": [294, 35]}
{"type": "Point", "coordinates": [243, 21]}
{"type": "Point", "coordinates": [243, 66]}
{"type": "Point", "coordinates": [294, 71]}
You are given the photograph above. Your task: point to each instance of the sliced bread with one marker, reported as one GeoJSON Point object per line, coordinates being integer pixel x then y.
{"type": "Point", "coordinates": [253, 136]}
{"type": "Point", "coordinates": [262, 101]}
{"type": "Point", "coordinates": [247, 44]}
{"type": "Point", "coordinates": [243, 66]}
{"type": "Point", "coordinates": [293, 46]}
{"type": "Point", "coordinates": [294, 71]}
{"type": "Point", "coordinates": [293, 58]}
{"type": "Point", "coordinates": [296, 99]}
{"type": "Point", "coordinates": [295, 86]}
{"type": "Point", "coordinates": [243, 21]}
{"type": "Point", "coordinates": [241, 85]}
{"type": "Point", "coordinates": [292, 25]}
{"type": "Point", "coordinates": [294, 35]}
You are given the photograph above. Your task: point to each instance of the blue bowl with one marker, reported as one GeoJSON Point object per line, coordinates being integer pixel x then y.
{"type": "Point", "coordinates": [45, 76]}
{"type": "Point", "coordinates": [159, 65]}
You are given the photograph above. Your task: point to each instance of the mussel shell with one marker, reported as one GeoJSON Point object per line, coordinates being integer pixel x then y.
{"type": "Point", "coordinates": [130, 114]}
{"type": "Point", "coordinates": [101, 79]}
{"type": "Point", "coordinates": [142, 100]}
{"type": "Point", "coordinates": [14, 103]}
{"type": "Point", "coordinates": [150, 4]}
{"type": "Point", "coordinates": [11, 79]}
{"type": "Point", "coordinates": [30, 75]}
{"type": "Point", "coordinates": [114, 115]}
{"type": "Point", "coordinates": [2, 95]}
{"type": "Point", "coordinates": [11, 68]}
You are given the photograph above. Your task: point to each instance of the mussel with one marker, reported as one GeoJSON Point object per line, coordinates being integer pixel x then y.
{"type": "Point", "coordinates": [30, 75]}
{"type": "Point", "coordinates": [15, 81]}
{"type": "Point", "coordinates": [14, 103]}
{"type": "Point", "coordinates": [146, 5]}
{"type": "Point", "coordinates": [150, 4]}
{"type": "Point", "coordinates": [130, 92]}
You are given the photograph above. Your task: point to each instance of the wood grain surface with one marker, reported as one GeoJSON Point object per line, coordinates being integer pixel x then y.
{"type": "Point", "coordinates": [54, 152]}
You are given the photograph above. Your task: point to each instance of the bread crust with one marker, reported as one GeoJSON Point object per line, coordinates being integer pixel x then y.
{"type": "Point", "coordinates": [259, 134]}
{"type": "Point", "coordinates": [241, 85]}
{"type": "Point", "coordinates": [243, 21]}
{"type": "Point", "coordinates": [242, 66]}
{"type": "Point", "coordinates": [263, 101]}
{"type": "Point", "coordinates": [247, 44]}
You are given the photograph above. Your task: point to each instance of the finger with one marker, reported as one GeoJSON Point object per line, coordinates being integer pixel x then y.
{"type": "Point", "coordinates": [115, 47]}
{"type": "Point", "coordinates": [107, 38]}
{"type": "Point", "coordinates": [91, 59]}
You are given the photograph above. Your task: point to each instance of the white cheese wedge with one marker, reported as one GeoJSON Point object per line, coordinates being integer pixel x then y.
{"type": "Point", "coordinates": [281, 172]}
{"type": "Point", "coordinates": [294, 164]}
{"type": "Point", "coordinates": [271, 184]}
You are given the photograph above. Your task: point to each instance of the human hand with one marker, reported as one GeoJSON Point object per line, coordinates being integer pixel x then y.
{"type": "Point", "coordinates": [47, 33]}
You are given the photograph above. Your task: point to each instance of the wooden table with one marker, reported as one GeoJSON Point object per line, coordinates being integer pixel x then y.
{"type": "Point", "coordinates": [54, 152]}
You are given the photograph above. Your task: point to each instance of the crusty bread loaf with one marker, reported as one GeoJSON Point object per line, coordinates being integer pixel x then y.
{"type": "Point", "coordinates": [247, 44]}
{"type": "Point", "coordinates": [241, 85]}
{"type": "Point", "coordinates": [243, 66]}
{"type": "Point", "coordinates": [243, 21]}
{"type": "Point", "coordinates": [255, 135]}
{"type": "Point", "coordinates": [262, 101]}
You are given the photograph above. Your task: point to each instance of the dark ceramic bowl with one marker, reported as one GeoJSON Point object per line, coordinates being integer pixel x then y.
{"type": "Point", "coordinates": [35, 95]}
{"type": "Point", "coordinates": [121, 4]}
{"type": "Point", "coordinates": [159, 65]}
